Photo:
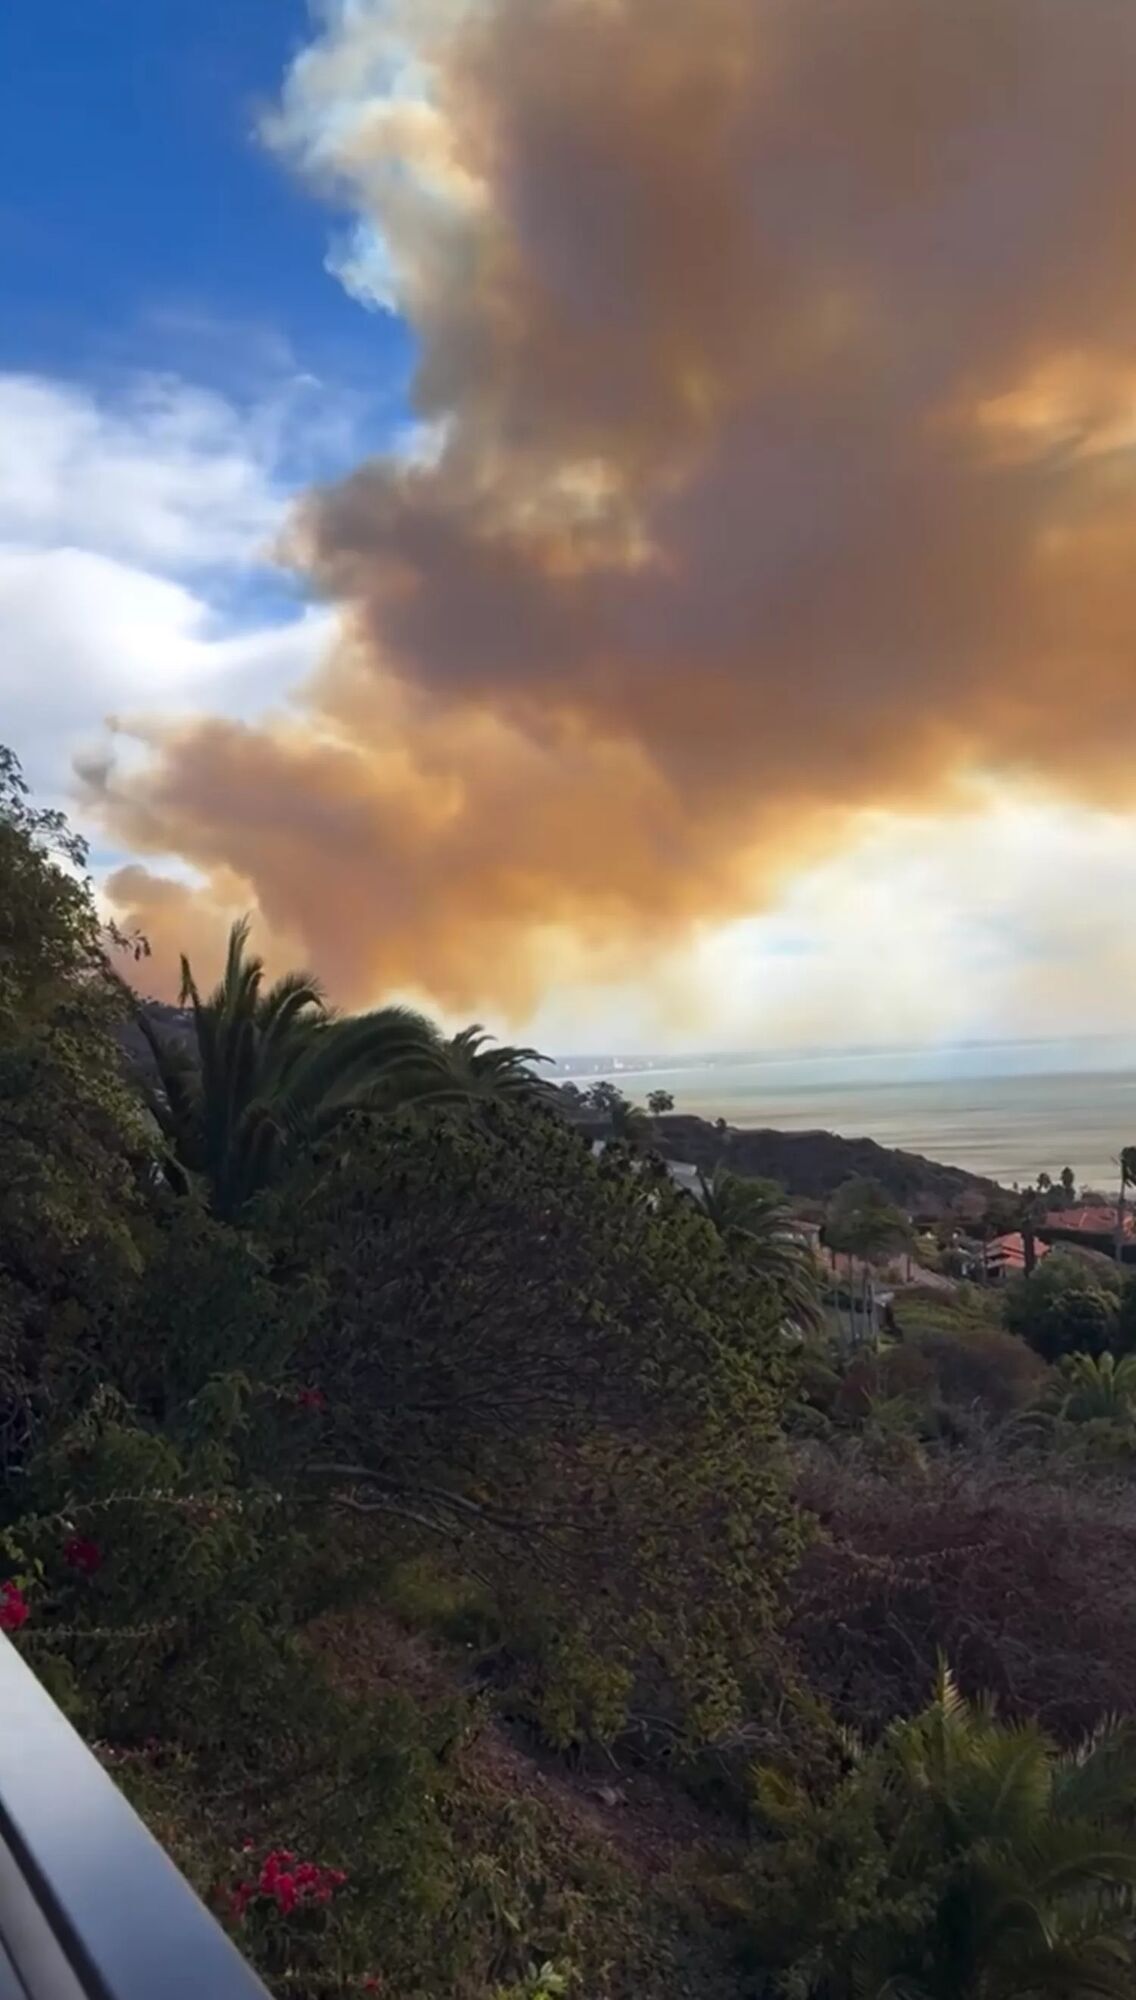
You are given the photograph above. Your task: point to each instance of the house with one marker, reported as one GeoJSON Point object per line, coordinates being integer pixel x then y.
{"type": "Point", "coordinates": [1005, 1257]}
{"type": "Point", "coordinates": [1093, 1227]}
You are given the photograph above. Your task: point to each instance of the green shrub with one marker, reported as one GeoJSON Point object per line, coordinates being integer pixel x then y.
{"type": "Point", "coordinates": [1062, 1309]}
{"type": "Point", "coordinates": [960, 1859]}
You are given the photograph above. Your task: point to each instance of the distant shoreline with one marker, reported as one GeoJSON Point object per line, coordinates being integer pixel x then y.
{"type": "Point", "coordinates": [1006, 1127]}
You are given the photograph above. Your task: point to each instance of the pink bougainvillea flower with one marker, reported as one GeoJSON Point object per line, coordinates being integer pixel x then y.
{"type": "Point", "coordinates": [13, 1607]}
{"type": "Point", "coordinates": [82, 1554]}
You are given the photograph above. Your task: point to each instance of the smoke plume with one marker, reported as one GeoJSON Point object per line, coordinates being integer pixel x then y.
{"type": "Point", "coordinates": [778, 383]}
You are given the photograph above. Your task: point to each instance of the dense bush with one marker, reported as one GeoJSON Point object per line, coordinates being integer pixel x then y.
{"type": "Point", "coordinates": [555, 1363]}
{"type": "Point", "coordinates": [1026, 1581]}
{"type": "Point", "coordinates": [1063, 1308]}
{"type": "Point", "coordinates": [948, 1372]}
{"type": "Point", "coordinates": [960, 1858]}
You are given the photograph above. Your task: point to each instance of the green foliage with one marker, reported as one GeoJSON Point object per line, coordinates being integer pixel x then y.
{"type": "Point", "coordinates": [1061, 1308]}
{"type": "Point", "coordinates": [757, 1228]}
{"type": "Point", "coordinates": [862, 1222]}
{"type": "Point", "coordinates": [629, 1122]}
{"type": "Point", "coordinates": [270, 1069]}
{"type": "Point", "coordinates": [72, 1145]}
{"type": "Point", "coordinates": [51, 943]}
{"type": "Point", "coordinates": [477, 1070]}
{"type": "Point", "coordinates": [973, 1363]}
{"type": "Point", "coordinates": [960, 1859]}
{"type": "Point", "coordinates": [553, 1361]}
{"type": "Point", "coordinates": [1097, 1389]}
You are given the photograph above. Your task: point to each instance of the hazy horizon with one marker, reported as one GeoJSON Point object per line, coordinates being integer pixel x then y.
{"type": "Point", "coordinates": [1008, 1111]}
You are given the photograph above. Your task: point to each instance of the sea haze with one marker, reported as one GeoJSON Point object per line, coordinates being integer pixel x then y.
{"type": "Point", "coordinates": [1009, 1109]}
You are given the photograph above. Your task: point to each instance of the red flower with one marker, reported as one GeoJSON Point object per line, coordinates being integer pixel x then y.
{"type": "Point", "coordinates": [241, 1898]}
{"type": "Point", "coordinates": [82, 1554]}
{"type": "Point", "coordinates": [311, 1399]}
{"type": "Point", "coordinates": [285, 1892]}
{"type": "Point", "coordinates": [289, 1883]}
{"type": "Point", "coordinates": [13, 1607]}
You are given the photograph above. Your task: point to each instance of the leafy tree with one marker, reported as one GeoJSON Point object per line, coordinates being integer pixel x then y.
{"type": "Point", "coordinates": [552, 1362]}
{"type": "Point", "coordinates": [604, 1096]}
{"type": "Point", "coordinates": [862, 1223]}
{"type": "Point", "coordinates": [757, 1227]}
{"type": "Point", "coordinates": [52, 947]}
{"type": "Point", "coordinates": [1069, 1185]}
{"type": "Point", "coordinates": [962, 1858]}
{"type": "Point", "coordinates": [660, 1101]}
{"type": "Point", "coordinates": [1062, 1309]}
{"type": "Point", "coordinates": [269, 1070]}
{"type": "Point", "coordinates": [74, 1153]}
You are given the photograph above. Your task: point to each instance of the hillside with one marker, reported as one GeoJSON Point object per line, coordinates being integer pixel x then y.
{"type": "Point", "coordinates": [815, 1164]}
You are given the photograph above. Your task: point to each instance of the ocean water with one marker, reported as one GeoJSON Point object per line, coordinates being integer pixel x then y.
{"type": "Point", "coordinates": [1008, 1110]}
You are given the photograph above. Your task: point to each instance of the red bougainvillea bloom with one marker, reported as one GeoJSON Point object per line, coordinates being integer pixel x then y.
{"type": "Point", "coordinates": [13, 1607]}
{"type": "Point", "coordinates": [311, 1399]}
{"type": "Point", "coordinates": [83, 1554]}
{"type": "Point", "coordinates": [289, 1883]}
{"type": "Point", "coordinates": [241, 1897]}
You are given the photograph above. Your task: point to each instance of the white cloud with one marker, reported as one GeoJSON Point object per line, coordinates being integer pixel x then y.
{"type": "Point", "coordinates": [169, 474]}
{"type": "Point", "coordinates": [127, 525]}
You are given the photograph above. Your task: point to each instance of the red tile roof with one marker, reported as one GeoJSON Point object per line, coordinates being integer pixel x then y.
{"type": "Point", "coordinates": [1011, 1251]}
{"type": "Point", "coordinates": [1089, 1221]}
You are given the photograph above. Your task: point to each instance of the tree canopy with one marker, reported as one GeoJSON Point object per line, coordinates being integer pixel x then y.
{"type": "Point", "coordinates": [549, 1358]}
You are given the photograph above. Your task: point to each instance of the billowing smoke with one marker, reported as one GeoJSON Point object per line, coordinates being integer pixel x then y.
{"type": "Point", "coordinates": [778, 391]}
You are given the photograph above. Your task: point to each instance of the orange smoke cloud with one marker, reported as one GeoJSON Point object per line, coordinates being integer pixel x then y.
{"type": "Point", "coordinates": [781, 360]}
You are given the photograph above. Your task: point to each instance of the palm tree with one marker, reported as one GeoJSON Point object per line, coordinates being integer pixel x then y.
{"type": "Point", "coordinates": [1098, 1388]}
{"type": "Point", "coordinates": [983, 1863]}
{"type": "Point", "coordinates": [757, 1226]}
{"type": "Point", "coordinates": [660, 1101]}
{"type": "Point", "coordinates": [477, 1069]}
{"type": "Point", "coordinates": [269, 1068]}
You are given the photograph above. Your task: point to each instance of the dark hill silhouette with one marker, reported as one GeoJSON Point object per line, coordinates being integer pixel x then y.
{"type": "Point", "coordinates": [814, 1164]}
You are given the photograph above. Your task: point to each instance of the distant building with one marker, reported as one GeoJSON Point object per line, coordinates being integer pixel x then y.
{"type": "Point", "coordinates": [1091, 1226]}
{"type": "Point", "coordinates": [1005, 1257]}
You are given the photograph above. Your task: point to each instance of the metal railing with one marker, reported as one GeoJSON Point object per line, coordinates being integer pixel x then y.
{"type": "Point", "coordinates": [91, 1907]}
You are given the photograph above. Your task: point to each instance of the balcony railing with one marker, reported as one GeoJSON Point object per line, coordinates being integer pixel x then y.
{"type": "Point", "coordinates": [91, 1908]}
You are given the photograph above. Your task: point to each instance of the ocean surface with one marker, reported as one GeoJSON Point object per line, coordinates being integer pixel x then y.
{"type": "Point", "coordinates": [1009, 1110]}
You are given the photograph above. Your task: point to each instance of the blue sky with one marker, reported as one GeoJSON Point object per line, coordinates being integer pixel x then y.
{"type": "Point", "coordinates": [139, 216]}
